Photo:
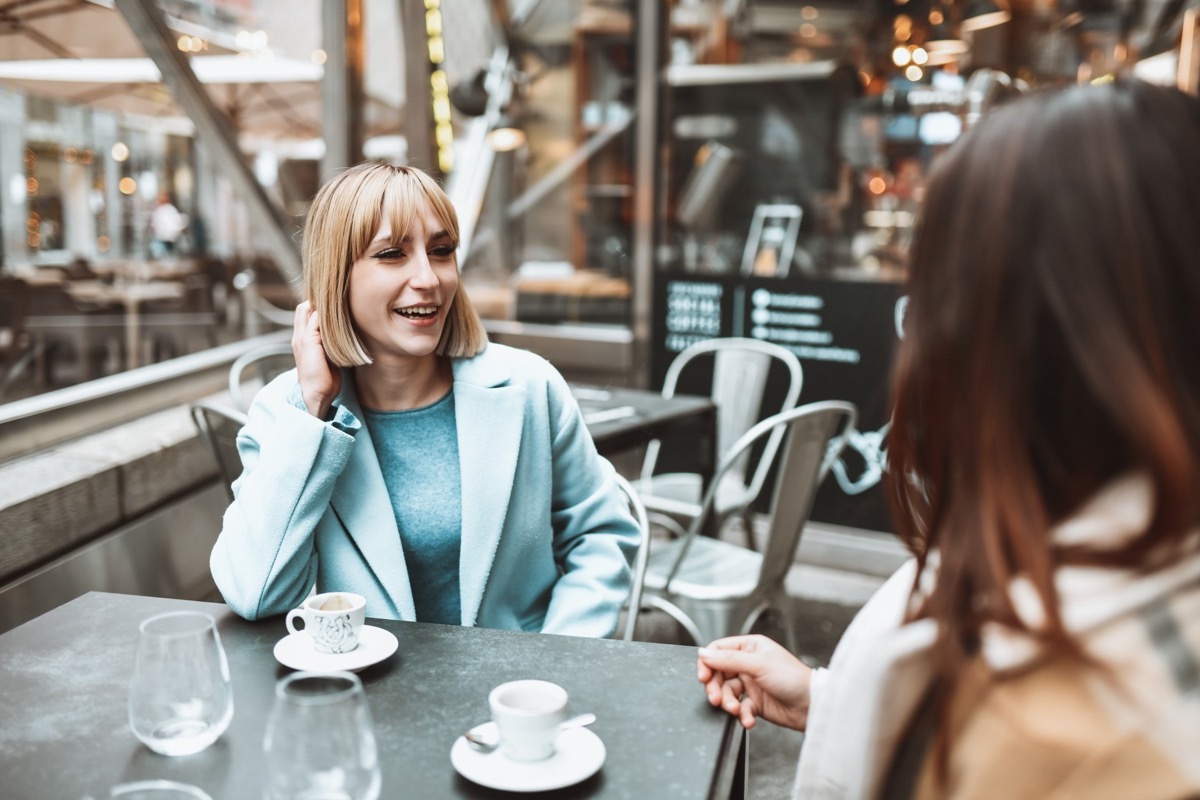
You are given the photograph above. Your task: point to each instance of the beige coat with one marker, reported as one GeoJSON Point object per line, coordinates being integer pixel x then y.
{"type": "Point", "coordinates": [1025, 723]}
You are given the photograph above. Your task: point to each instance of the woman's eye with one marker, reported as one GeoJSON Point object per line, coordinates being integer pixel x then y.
{"type": "Point", "coordinates": [444, 251]}
{"type": "Point", "coordinates": [390, 254]}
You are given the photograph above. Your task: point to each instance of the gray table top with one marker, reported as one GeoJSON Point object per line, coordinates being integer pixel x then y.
{"type": "Point", "coordinates": [65, 733]}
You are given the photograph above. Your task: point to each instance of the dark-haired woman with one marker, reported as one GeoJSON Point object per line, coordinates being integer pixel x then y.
{"type": "Point", "coordinates": [1044, 468]}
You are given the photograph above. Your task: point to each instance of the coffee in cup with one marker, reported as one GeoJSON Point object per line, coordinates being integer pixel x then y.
{"type": "Point", "coordinates": [528, 715]}
{"type": "Point", "coordinates": [332, 620]}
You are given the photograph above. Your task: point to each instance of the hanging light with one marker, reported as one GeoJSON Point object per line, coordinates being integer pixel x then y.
{"type": "Point", "coordinates": [506, 135]}
{"type": "Point", "coordinates": [942, 42]}
{"type": "Point", "coordinates": [980, 14]}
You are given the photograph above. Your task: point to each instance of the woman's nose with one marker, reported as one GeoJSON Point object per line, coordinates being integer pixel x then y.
{"type": "Point", "coordinates": [423, 275]}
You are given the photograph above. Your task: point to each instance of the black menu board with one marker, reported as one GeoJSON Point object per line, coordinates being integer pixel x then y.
{"type": "Point", "coordinates": [844, 333]}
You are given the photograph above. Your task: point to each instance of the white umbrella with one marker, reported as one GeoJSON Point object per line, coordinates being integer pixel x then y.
{"type": "Point", "coordinates": [266, 96]}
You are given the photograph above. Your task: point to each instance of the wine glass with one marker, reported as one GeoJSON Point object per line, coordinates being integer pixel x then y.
{"type": "Point", "coordinates": [320, 744]}
{"type": "Point", "coordinates": [180, 698]}
{"type": "Point", "coordinates": [157, 790]}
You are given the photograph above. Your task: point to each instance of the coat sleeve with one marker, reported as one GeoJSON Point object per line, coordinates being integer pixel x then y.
{"type": "Point", "coordinates": [265, 560]}
{"type": "Point", "coordinates": [595, 536]}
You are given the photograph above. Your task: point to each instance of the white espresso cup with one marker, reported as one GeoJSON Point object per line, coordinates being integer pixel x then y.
{"type": "Point", "coordinates": [528, 715]}
{"type": "Point", "coordinates": [332, 620]}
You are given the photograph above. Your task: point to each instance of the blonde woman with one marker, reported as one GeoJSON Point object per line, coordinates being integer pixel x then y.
{"type": "Point", "coordinates": [407, 459]}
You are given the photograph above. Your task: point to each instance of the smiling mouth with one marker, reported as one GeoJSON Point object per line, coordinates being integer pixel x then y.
{"type": "Point", "coordinates": [418, 312]}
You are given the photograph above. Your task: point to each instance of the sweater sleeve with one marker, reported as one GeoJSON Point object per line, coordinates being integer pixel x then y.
{"type": "Point", "coordinates": [265, 560]}
{"type": "Point", "coordinates": [595, 536]}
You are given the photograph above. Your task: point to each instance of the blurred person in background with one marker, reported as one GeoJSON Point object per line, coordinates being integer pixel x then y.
{"type": "Point", "coordinates": [406, 459]}
{"type": "Point", "coordinates": [167, 224]}
{"type": "Point", "coordinates": [1044, 469]}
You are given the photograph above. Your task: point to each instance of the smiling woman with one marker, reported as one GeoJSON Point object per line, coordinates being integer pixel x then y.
{"type": "Point", "coordinates": [444, 478]}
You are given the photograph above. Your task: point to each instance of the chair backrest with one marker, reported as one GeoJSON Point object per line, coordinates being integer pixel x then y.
{"type": "Point", "coordinates": [814, 440]}
{"type": "Point", "coordinates": [218, 427]}
{"type": "Point", "coordinates": [814, 435]}
{"type": "Point", "coordinates": [740, 371]}
{"type": "Point", "coordinates": [640, 560]}
{"type": "Point", "coordinates": [255, 368]}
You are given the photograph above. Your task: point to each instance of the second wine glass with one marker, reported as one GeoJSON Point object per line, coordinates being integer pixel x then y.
{"type": "Point", "coordinates": [320, 743]}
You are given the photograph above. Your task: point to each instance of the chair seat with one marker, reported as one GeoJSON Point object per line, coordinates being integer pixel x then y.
{"type": "Point", "coordinates": [678, 494]}
{"type": "Point", "coordinates": [713, 569]}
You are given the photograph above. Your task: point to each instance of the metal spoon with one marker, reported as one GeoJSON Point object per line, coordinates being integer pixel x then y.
{"type": "Point", "coordinates": [486, 744]}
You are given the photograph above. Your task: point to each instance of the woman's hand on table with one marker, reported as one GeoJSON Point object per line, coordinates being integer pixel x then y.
{"type": "Point", "coordinates": [320, 381]}
{"type": "Point", "coordinates": [752, 676]}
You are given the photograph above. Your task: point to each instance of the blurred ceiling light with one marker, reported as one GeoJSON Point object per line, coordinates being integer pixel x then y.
{"type": "Point", "coordinates": [936, 17]}
{"type": "Point", "coordinates": [808, 30]}
{"type": "Point", "coordinates": [942, 40]}
{"type": "Point", "coordinates": [506, 136]}
{"type": "Point", "coordinates": [127, 186]}
{"type": "Point", "coordinates": [980, 14]}
{"type": "Point", "coordinates": [913, 72]}
{"type": "Point", "coordinates": [319, 56]}
{"type": "Point", "coordinates": [120, 151]}
{"type": "Point", "coordinates": [809, 12]}
{"type": "Point", "coordinates": [919, 56]}
{"type": "Point", "coordinates": [941, 58]}
{"type": "Point", "coordinates": [191, 44]}
{"type": "Point", "coordinates": [901, 56]}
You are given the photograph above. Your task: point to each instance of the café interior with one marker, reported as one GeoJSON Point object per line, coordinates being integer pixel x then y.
{"type": "Point", "coordinates": [696, 210]}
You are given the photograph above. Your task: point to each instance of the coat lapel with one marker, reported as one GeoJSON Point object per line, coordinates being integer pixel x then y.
{"type": "Point", "coordinates": [489, 414]}
{"type": "Point", "coordinates": [364, 507]}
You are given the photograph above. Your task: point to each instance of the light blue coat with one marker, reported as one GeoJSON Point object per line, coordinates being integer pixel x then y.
{"type": "Point", "coordinates": [546, 534]}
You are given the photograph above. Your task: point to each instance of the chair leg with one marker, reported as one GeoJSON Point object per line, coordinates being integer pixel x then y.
{"type": "Point", "coordinates": [748, 529]}
{"type": "Point", "coordinates": [776, 606]}
{"type": "Point", "coordinates": [667, 523]}
{"type": "Point", "coordinates": [753, 617]}
{"type": "Point", "coordinates": [677, 614]}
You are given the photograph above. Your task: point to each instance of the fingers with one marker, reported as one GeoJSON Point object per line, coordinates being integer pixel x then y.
{"type": "Point", "coordinates": [748, 715]}
{"type": "Point", "coordinates": [713, 688]}
{"type": "Point", "coordinates": [732, 661]}
{"type": "Point", "coordinates": [749, 642]}
{"type": "Point", "coordinates": [731, 696]}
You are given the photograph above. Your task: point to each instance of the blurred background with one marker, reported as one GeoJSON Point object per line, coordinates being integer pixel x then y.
{"type": "Point", "coordinates": [631, 178]}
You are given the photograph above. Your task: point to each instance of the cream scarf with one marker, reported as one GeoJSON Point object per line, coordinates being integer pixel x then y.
{"type": "Point", "coordinates": [861, 705]}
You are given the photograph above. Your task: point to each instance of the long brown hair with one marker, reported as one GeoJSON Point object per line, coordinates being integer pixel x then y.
{"type": "Point", "coordinates": [1050, 346]}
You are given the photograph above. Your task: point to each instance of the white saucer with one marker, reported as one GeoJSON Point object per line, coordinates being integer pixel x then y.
{"type": "Point", "coordinates": [374, 645]}
{"type": "Point", "coordinates": [579, 754]}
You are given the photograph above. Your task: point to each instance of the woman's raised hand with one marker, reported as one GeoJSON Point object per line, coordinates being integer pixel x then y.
{"type": "Point", "coordinates": [751, 676]}
{"type": "Point", "coordinates": [320, 381]}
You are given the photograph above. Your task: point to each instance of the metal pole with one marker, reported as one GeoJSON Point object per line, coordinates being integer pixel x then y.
{"type": "Point", "coordinates": [342, 85]}
{"type": "Point", "coordinates": [213, 128]}
{"type": "Point", "coordinates": [418, 96]}
{"type": "Point", "coordinates": [647, 110]}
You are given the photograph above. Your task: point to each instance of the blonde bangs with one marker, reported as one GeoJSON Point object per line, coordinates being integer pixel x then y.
{"type": "Point", "coordinates": [342, 221]}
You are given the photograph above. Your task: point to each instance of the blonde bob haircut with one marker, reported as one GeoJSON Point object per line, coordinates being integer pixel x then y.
{"type": "Point", "coordinates": [342, 221]}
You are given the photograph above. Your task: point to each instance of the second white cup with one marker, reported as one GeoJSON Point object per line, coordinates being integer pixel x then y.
{"type": "Point", "coordinates": [528, 715]}
{"type": "Point", "coordinates": [333, 620]}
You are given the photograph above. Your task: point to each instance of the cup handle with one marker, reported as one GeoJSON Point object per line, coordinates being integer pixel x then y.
{"type": "Point", "coordinates": [291, 626]}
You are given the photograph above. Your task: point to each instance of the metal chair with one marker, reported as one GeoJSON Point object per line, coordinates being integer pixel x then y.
{"type": "Point", "coordinates": [634, 605]}
{"type": "Point", "coordinates": [715, 588]}
{"type": "Point", "coordinates": [740, 371]}
{"type": "Point", "coordinates": [218, 426]}
{"type": "Point", "coordinates": [255, 368]}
